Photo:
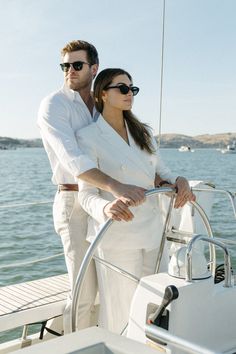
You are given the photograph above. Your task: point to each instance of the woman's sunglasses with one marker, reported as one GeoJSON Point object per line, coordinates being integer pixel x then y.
{"type": "Point", "coordinates": [124, 89]}
{"type": "Point", "coordinates": [77, 65]}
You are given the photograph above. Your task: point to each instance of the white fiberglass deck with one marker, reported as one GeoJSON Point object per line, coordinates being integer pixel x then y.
{"type": "Point", "coordinates": [32, 301]}
{"type": "Point", "coordinates": [89, 341]}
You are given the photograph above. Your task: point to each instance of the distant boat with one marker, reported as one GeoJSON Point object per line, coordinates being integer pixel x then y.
{"type": "Point", "coordinates": [231, 149]}
{"type": "Point", "coordinates": [3, 147]}
{"type": "Point", "coordinates": [185, 148]}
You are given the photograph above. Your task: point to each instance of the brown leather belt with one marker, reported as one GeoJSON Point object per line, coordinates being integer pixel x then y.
{"type": "Point", "coordinates": [68, 187]}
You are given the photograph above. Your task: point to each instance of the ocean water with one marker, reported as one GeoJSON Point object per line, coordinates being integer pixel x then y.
{"type": "Point", "coordinates": [27, 233]}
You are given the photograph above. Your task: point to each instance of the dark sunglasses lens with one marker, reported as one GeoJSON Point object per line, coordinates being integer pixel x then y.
{"type": "Point", "coordinates": [135, 90]}
{"type": "Point", "coordinates": [77, 65]}
{"type": "Point", "coordinates": [124, 89]}
{"type": "Point", "coordinates": [65, 66]}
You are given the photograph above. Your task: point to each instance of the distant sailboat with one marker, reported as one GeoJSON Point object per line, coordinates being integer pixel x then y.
{"type": "Point", "coordinates": [185, 148]}
{"type": "Point", "coordinates": [231, 149]}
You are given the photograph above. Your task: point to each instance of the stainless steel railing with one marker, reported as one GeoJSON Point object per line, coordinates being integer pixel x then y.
{"type": "Point", "coordinates": [156, 334]}
{"type": "Point", "coordinates": [188, 258]}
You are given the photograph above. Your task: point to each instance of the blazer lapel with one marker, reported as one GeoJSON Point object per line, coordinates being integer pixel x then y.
{"type": "Point", "coordinates": [131, 152]}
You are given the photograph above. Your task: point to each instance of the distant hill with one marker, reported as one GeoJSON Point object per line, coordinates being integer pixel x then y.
{"type": "Point", "coordinates": [11, 143]}
{"type": "Point", "coordinates": [199, 141]}
{"type": "Point", "coordinates": [167, 141]}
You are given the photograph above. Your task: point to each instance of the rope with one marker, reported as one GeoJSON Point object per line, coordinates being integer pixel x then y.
{"type": "Point", "coordinates": [31, 262]}
{"type": "Point", "coordinates": [162, 69]}
{"type": "Point", "coordinates": [24, 204]}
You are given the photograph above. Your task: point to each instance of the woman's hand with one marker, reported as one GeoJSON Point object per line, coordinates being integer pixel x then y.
{"type": "Point", "coordinates": [117, 210]}
{"type": "Point", "coordinates": [184, 192]}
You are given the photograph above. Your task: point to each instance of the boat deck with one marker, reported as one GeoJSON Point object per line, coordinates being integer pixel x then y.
{"type": "Point", "coordinates": [32, 301]}
{"type": "Point", "coordinates": [90, 340]}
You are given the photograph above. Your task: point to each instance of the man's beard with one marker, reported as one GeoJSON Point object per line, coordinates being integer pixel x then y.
{"type": "Point", "coordinates": [76, 85]}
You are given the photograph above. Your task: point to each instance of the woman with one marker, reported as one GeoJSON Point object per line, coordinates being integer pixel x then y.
{"type": "Point", "coordinates": [125, 149]}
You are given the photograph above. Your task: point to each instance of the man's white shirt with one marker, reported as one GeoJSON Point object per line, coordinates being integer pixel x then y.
{"type": "Point", "coordinates": [60, 116]}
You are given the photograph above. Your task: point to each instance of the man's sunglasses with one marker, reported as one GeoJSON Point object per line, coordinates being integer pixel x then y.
{"type": "Point", "coordinates": [77, 65]}
{"type": "Point", "coordinates": [124, 89]}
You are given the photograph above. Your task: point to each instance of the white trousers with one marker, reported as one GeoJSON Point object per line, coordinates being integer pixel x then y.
{"type": "Point", "coordinates": [70, 222]}
{"type": "Point", "coordinates": [116, 291]}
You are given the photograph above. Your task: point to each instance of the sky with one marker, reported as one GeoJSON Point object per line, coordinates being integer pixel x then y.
{"type": "Point", "coordinates": [199, 72]}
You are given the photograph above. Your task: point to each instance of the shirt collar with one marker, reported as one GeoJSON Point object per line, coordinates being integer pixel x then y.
{"type": "Point", "coordinates": [74, 96]}
{"type": "Point", "coordinates": [71, 94]}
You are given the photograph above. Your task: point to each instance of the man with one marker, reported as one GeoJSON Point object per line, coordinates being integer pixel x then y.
{"type": "Point", "coordinates": [61, 115]}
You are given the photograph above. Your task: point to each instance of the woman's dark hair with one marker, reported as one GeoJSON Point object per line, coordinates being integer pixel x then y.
{"type": "Point", "coordinates": [138, 130]}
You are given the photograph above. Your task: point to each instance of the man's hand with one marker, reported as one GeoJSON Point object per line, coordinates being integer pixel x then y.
{"type": "Point", "coordinates": [129, 194]}
{"type": "Point", "coordinates": [118, 211]}
{"type": "Point", "coordinates": [184, 193]}
{"type": "Point", "coordinates": [157, 180]}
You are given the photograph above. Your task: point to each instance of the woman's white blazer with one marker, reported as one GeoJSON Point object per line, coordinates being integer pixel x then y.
{"type": "Point", "coordinates": [128, 164]}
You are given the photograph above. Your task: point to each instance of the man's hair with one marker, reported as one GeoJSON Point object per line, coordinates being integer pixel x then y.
{"type": "Point", "coordinates": [92, 54]}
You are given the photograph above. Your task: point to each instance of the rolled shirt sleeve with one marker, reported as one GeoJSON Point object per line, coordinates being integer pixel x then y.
{"type": "Point", "coordinates": [89, 196]}
{"type": "Point", "coordinates": [55, 123]}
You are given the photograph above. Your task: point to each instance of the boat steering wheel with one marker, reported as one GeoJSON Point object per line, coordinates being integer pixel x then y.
{"type": "Point", "coordinates": [93, 247]}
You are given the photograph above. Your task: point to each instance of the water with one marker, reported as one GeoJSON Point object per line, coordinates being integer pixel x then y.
{"type": "Point", "coordinates": [27, 232]}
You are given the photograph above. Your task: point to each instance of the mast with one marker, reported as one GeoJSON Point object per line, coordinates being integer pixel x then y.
{"type": "Point", "coordinates": [162, 69]}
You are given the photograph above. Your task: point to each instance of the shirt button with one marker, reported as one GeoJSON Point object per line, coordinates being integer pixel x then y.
{"type": "Point", "coordinates": [122, 167]}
